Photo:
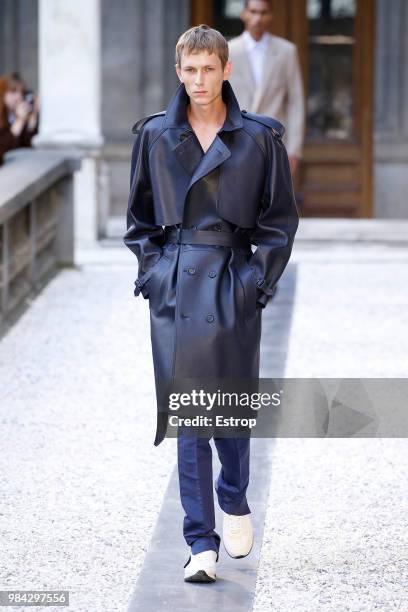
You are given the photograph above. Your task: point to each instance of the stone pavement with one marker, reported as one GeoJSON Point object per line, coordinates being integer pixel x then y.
{"type": "Point", "coordinates": [82, 485]}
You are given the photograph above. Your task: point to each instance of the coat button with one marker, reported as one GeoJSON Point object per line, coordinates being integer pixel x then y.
{"type": "Point", "coordinates": [212, 273]}
{"type": "Point", "coordinates": [184, 135]}
{"type": "Point", "coordinates": [191, 270]}
{"type": "Point", "coordinates": [210, 318]}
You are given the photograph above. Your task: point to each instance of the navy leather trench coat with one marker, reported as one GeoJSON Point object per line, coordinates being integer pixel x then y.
{"type": "Point", "coordinates": [191, 220]}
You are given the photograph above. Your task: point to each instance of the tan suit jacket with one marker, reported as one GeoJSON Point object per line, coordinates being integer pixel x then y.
{"type": "Point", "coordinates": [280, 94]}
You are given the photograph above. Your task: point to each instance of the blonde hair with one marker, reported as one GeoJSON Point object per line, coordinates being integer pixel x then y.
{"type": "Point", "coordinates": [202, 38]}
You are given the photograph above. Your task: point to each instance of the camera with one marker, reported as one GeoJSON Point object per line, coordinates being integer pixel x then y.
{"type": "Point", "coordinates": [29, 97]}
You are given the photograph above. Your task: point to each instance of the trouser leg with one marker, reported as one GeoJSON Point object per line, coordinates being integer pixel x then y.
{"type": "Point", "coordinates": [196, 493]}
{"type": "Point", "coordinates": [233, 478]}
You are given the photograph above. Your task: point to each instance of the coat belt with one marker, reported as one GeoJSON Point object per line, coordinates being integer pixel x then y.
{"type": "Point", "coordinates": [210, 237]}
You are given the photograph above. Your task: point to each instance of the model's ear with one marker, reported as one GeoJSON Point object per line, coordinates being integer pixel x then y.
{"type": "Point", "coordinates": [227, 70]}
{"type": "Point", "coordinates": [177, 67]}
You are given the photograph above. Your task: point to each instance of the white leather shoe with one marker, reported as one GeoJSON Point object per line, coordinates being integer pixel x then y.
{"type": "Point", "coordinates": [237, 535]}
{"type": "Point", "coordinates": [201, 567]}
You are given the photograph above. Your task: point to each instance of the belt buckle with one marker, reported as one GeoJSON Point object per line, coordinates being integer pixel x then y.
{"type": "Point", "coordinates": [176, 233]}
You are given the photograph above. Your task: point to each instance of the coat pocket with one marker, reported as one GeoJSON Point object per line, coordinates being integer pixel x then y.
{"type": "Point", "coordinates": [249, 289]}
{"type": "Point", "coordinates": [152, 286]}
{"type": "Point", "coordinates": [142, 281]}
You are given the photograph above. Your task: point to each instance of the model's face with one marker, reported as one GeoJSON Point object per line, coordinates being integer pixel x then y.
{"type": "Point", "coordinates": [202, 75]}
{"type": "Point", "coordinates": [12, 98]}
{"type": "Point", "coordinates": [257, 17]}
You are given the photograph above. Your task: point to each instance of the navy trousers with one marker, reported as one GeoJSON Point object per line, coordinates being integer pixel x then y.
{"type": "Point", "coordinates": [196, 486]}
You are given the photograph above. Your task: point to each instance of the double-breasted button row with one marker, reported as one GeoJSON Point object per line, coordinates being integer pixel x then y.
{"type": "Point", "coordinates": [193, 270]}
{"type": "Point", "coordinates": [209, 318]}
{"type": "Point", "coordinates": [212, 273]}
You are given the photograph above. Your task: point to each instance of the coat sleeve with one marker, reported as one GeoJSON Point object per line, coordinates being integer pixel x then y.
{"type": "Point", "coordinates": [276, 224]}
{"type": "Point", "coordinates": [143, 237]}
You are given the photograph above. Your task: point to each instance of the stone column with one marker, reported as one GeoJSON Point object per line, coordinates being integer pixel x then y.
{"type": "Point", "coordinates": [391, 111]}
{"type": "Point", "coordinates": [70, 94]}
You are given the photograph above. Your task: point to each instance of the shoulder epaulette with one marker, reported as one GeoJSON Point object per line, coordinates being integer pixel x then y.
{"type": "Point", "coordinates": [139, 124]}
{"type": "Point", "coordinates": [277, 128]}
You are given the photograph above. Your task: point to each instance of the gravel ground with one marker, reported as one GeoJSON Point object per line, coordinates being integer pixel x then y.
{"type": "Point", "coordinates": [336, 530]}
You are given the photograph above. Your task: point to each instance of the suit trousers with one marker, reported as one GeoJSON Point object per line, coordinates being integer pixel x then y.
{"type": "Point", "coordinates": [196, 485]}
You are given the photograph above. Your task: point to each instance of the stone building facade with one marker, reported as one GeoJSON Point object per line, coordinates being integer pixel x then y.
{"type": "Point", "coordinates": [100, 65]}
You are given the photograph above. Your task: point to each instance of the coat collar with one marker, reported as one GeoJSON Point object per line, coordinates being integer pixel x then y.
{"type": "Point", "coordinates": [251, 43]}
{"type": "Point", "coordinates": [188, 151]}
{"type": "Point", "coordinates": [176, 114]}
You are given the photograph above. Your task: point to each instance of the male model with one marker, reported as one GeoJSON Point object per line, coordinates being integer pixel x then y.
{"type": "Point", "coordinates": [266, 76]}
{"type": "Point", "coordinates": [207, 181]}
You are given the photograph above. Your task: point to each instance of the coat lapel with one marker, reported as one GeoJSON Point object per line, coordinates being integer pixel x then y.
{"type": "Point", "coordinates": [195, 163]}
{"type": "Point", "coordinates": [215, 156]}
{"type": "Point", "coordinates": [244, 64]}
{"type": "Point", "coordinates": [267, 74]}
{"type": "Point", "coordinates": [188, 153]}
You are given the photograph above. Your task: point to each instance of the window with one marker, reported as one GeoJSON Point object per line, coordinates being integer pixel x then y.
{"type": "Point", "coordinates": [331, 44]}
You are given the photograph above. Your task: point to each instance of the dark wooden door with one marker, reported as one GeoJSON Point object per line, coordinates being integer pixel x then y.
{"type": "Point", "coordinates": [335, 39]}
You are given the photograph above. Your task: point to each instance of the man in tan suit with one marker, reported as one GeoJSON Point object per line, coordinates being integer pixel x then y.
{"type": "Point", "coordinates": [266, 75]}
